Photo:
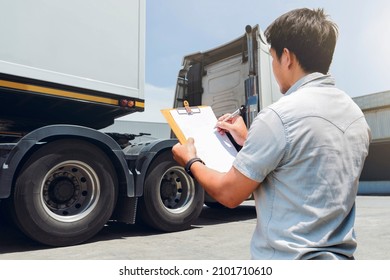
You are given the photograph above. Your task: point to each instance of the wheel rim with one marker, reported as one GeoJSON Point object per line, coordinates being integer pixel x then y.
{"type": "Point", "coordinates": [177, 190]}
{"type": "Point", "coordinates": [70, 191]}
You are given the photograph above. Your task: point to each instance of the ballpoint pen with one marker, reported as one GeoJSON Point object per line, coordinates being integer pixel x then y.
{"type": "Point", "coordinates": [232, 115]}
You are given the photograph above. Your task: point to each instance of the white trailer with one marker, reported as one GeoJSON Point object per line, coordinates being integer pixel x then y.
{"type": "Point", "coordinates": [68, 69]}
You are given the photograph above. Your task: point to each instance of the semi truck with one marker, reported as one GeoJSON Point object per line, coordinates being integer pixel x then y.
{"type": "Point", "coordinates": [68, 69]}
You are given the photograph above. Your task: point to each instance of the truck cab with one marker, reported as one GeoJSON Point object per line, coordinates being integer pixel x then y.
{"type": "Point", "coordinates": [238, 73]}
{"type": "Point", "coordinates": [234, 74]}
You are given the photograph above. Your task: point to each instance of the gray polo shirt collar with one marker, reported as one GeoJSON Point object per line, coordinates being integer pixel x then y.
{"type": "Point", "coordinates": [315, 79]}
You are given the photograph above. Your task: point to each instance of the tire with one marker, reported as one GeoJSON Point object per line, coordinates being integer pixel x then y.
{"type": "Point", "coordinates": [172, 200]}
{"type": "Point", "coordinates": [65, 193]}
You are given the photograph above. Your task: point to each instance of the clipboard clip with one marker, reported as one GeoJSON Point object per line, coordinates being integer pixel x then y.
{"type": "Point", "coordinates": [187, 109]}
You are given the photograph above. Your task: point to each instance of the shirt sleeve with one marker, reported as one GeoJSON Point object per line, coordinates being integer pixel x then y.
{"type": "Point", "coordinates": [264, 148]}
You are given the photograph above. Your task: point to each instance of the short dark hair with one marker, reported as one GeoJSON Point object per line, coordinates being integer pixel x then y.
{"type": "Point", "coordinates": [309, 34]}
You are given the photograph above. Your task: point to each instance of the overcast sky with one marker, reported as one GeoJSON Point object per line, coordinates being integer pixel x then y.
{"type": "Point", "coordinates": [175, 28]}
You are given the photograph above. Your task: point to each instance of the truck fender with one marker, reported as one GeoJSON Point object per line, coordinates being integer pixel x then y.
{"type": "Point", "coordinates": [49, 133]}
{"type": "Point", "coordinates": [142, 155]}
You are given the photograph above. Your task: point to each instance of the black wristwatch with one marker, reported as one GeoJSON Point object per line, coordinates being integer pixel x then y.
{"type": "Point", "coordinates": [189, 163]}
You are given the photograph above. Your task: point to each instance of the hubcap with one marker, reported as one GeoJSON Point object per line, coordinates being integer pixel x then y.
{"type": "Point", "coordinates": [70, 191]}
{"type": "Point", "coordinates": [177, 190]}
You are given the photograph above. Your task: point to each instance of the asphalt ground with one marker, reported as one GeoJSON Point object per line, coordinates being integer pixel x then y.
{"type": "Point", "coordinates": [218, 234]}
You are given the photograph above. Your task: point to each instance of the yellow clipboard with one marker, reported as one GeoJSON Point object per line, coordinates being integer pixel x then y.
{"type": "Point", "coordinates": [174, 125]}
{"type": "Point", "coordinates": [216, 150]}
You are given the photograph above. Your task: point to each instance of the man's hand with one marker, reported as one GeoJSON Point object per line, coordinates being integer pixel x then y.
{"type": "Point", "coordinates": [182, 153]}
{"type": "Point", "coordinates": [236, 127]}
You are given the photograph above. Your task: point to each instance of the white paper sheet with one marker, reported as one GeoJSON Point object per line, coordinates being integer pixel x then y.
{"type": "Point", "coordinates": [216, 150]}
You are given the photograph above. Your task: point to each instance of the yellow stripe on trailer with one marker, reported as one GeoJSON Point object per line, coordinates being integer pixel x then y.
{"type": "Point", "coordinates": [139, 104]}
{"type": "Point", "coordinates": [58, 92]}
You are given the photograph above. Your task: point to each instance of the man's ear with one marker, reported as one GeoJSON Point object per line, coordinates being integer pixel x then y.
{"type": "Point", "coordinates": [288, 58]}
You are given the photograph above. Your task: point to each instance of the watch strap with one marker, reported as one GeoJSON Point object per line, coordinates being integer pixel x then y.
{"type": "Point", "coordinates": [189, 164]}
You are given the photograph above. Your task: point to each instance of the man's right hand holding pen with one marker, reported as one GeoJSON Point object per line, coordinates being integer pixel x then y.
{"type": "Point", "coordinates": [235, 125]}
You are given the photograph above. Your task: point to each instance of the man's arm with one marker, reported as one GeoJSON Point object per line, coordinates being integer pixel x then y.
{"type": "Point", "coordinates": [229, 189]}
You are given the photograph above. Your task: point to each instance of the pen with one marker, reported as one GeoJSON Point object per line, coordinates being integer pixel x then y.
{"type": "Point", "coordinates": [232, 115]}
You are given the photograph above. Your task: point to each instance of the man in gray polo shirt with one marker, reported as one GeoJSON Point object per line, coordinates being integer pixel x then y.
{"type": "Point", "coordinates": [302, 156]}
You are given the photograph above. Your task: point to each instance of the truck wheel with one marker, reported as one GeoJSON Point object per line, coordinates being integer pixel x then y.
{"type": "Point", "coordinates": [172, 200]}
{"type": "Point", "coordinates": [65, 193]}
